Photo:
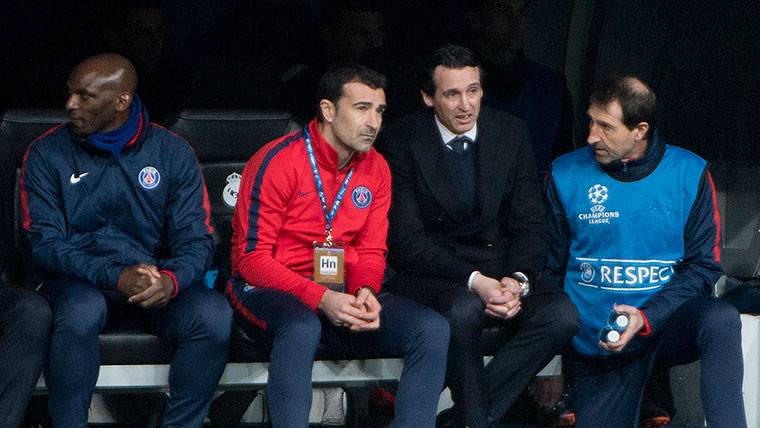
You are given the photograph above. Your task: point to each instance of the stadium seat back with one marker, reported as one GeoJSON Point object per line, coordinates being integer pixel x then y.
{"type": "Point", "coordinates": [18, 128]}
{"type": "Point", "coordinates": [738, 186]}
{"type": "Point", "coordinates": [224, 140]}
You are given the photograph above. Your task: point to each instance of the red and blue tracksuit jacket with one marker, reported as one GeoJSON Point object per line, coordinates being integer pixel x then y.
{"type": "Point", "coordinates": [278, 217]}
{"type": "Point", "coordinates": [89, 214]}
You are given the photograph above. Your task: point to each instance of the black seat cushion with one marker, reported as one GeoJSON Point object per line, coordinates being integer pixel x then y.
{"type": "Point", "coordinates": [256, 347]}
{"type": "Point", "coordinates": [125, 345]}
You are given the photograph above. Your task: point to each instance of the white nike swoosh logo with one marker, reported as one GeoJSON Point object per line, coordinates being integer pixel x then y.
{"type": "Point", "coordinates": [74, 179]}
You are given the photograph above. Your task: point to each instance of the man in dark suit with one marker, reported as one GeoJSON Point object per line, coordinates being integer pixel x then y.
{"type": "Point", "coordinates": [469, 236]}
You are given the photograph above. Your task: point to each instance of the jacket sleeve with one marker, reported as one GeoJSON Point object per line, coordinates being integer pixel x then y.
{"type": "Point", "coordinates": [524, 217]}
{"type": "Point", "coordinates": [700, 267]}
{"type": "Point", "coordinates": [411, 248]}
{"type": "Point", "coordinates": [559, 249]}
{"type": "Point", "coordinates": [370, 243]}
{"type": "Point", "coordinates": [189, 230]}
{"type": "Point", "coordinates": [47, 230]}
{"type": "Point", "coordinates": [259, 216]}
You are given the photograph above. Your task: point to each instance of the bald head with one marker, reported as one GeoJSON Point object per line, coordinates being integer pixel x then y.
{"type": "Point", "coordinates": [112, 69]}
{"type": "Point", "coordinates": [636, 99]}
{"type": "Point", "coordinates": [101, 90]}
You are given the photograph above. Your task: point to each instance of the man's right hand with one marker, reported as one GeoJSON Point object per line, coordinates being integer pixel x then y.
{"type": "Point", "coordinates": [341, 309]}
{"type": "Point", "coordinates": [500, 302]}
{"type": "Point", "coordinates": [136, 279]}
{"type": "Point", "coordinates": [635, 324]}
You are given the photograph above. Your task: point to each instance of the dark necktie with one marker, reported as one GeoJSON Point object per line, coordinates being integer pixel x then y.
{"type": "Point", "coordinates": [457, 144]}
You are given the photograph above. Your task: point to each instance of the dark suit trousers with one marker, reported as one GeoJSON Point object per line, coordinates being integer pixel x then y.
{"type": "Point", "coordinates": [523, 346]}
{"type": "Point", "coordinates": [608, 392]}
{"type": "Point", "coordinates": [25, 320]}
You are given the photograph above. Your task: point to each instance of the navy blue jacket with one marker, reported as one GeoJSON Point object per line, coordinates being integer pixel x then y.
{"type": "Point", "coordinates": [89, 214]}
{"type": "Point", "coordinates": [694, 274]}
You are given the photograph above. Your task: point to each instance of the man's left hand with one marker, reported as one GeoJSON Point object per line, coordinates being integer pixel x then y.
{"type": "Point", "coordinates": [635, 324]}
{"type": "Point", "coordinates": [157, 295]}
{"type": "Point", "coordinates": [508, 304]}
{"type": "Point", "coordinates": [370, 307]}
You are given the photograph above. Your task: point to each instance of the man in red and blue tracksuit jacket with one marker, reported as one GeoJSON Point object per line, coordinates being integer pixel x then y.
{"type": "Point", "coordinates": [278, 219]}
{"type": "Point", "coordinates": [636, 228]}
{"type": "Point", "coordinates": [116, 212]}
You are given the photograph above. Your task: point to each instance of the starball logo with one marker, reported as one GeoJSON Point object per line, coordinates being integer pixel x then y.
{"type": "Point", "coordinates": [598, 214]}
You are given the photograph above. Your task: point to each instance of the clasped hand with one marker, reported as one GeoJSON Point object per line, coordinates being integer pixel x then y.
{"type": "Point", "coordinates": [145, 286]}
{"type": "Point", "coordinates": [357, 313]}
{"type": "Point", "coordinates": [502, 298]}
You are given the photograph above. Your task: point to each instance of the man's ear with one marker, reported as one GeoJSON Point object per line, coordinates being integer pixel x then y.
{"type": "Point", "coordinates": [640, 131]}
{"type": "Point", "coordinates": [123, 101]}
{"type": "Point", "coordinates": [328, 110]}
{"type": "Point", "coordinates": [427, 99]}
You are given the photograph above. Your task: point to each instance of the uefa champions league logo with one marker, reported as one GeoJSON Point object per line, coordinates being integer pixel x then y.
{"type": "Point", "coordinates": [597, 194]}
{"type": "Point", "coordinates": [598, 214]}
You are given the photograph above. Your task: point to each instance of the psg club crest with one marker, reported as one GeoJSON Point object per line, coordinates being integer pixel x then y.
{"type": "Point", "coordinates": [149, 178]}
{"type": "Point", "coordinates": [361, 197]}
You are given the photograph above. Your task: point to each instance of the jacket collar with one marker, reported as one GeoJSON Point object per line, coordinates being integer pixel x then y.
{"type": "Point", "coordinates": [129, 135]}
{"type": "Point", "coordinates": [492, 155]}
{"type": "Point", "coordinates": [637, 169]}
{"type": "Point", "coordinates": [327, 157]}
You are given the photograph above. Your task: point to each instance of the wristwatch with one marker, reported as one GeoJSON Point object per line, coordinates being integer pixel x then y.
{"type": "Point", "coordinates": [523, 281]}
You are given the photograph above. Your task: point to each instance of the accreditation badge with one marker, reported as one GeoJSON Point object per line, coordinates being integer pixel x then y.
{"type": "Point", "coordinates": [329, 265]}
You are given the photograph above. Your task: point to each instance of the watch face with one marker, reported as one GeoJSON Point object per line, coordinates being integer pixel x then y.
{"type": "Point", "coordinates": [524, 282]}
{"type": "Point", "coordinates": [520, 277]}
{"type": "Point", "coordinates": [524, 288]}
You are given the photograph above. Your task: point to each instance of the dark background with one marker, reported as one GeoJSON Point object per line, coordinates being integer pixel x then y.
{"type": "Point", "coordinates": [701, 57]}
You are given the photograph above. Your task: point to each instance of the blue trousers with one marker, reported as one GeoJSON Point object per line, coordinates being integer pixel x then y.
{"type": "Point", "coordinates": [24, 326]}
{"type": "Point", "coordinates": [407, 329]}
{"type": "Point", "coordinates": [198, 321]}
{"type": "Point", "coordinates": [607, 392]}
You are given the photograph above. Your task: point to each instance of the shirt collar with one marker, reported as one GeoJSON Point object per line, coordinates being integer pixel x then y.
{"type": "Point", "coordinates": [447, 135]}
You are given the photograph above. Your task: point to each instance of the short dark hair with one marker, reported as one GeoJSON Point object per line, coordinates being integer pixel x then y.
{"type": "Point", "coordinates": [449, 56]}
{"type": "Point", "coordinates": [331, 84]}
{"type": "Point", "coordinates": [636, 99]}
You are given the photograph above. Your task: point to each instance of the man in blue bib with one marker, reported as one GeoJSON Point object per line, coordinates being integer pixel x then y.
{"type": "Point", "coordinates": [636, 231]}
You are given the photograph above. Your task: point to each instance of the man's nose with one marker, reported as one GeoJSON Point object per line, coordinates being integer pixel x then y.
{"type": "Point", "coordinates": [72, 102]}
{"type": "Point", "coordinates": [593, 136]}
{"type": "Point", "coordinates": [374, 120]}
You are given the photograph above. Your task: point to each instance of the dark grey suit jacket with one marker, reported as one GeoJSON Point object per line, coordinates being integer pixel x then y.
{"type": "Point", "coordinates": [431, 234]}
